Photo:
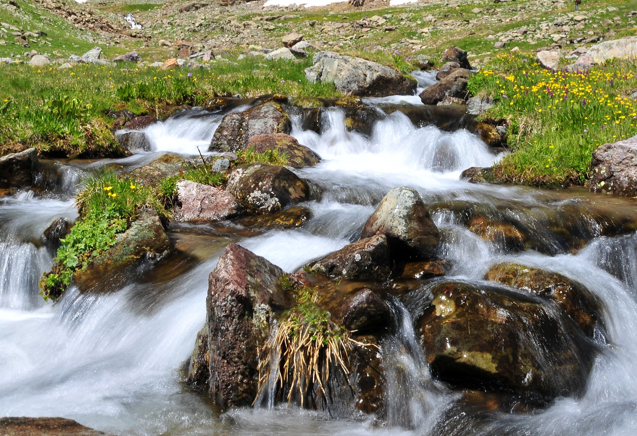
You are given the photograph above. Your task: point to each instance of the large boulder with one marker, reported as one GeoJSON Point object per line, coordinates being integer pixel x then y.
{"type": "Point", "coordinates": [298, 155]}
{"type": "Point", "coordinates": [549, 59]}
{"type": "Point", "coordinates": [492, 339]}
{"type": "Point", "coordinates": [23, 426]}
{"type": "Point", "coordinates": [237, 128]}
{"type": "Point", "coordinates": [200, 202]}
{"type": "Point", "coordinates": [262, 188]}
{"type": "Point", "coordinates": [144, 241]}
{"type": "Point", "coordinates": [17, 170]}
{"type": "Point", "coordinates": [614, 168]}
{"type": "Point", "coordinates": [618, 48]}
{"type": "Point", "coordinates": [454, 85]}
{"type": "Point", "coordinates": [133, 140]}
{"type": "Point", "coordinates": [455, 54]}
{"type": "Point", "coordinates": [356, 76]}
{"type": "Point", "coordinates": [367, 259]}
{"type": "Point", "coordinates": [92, 56]}
{"type": "Point", "coordinates": [243, 297]}
{"type": "Point", "coordinates": [571, 297]}
{"type": "Point", "coordinates": [403, 217]}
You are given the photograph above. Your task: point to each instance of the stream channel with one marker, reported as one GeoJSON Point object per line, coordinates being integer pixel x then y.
{"type": "Point", "coordinates": [114, 361]}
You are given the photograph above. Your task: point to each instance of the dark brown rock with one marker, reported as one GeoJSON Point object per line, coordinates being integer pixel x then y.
{"type": "Point", "coordinates": [367, 259]}
{"type": "Point", "coordinates": [141, 122]}
{"type": "Point", "coordinates": [504, 234]}
{"type": "Point", "coordinates": [426, 270]}
{"type": "Point", "coordinates": [454, 85]}
{"type": "Point", "coordinates": [365, 311]}
{"type": "Point", "coordinates": [487, 338]}
{"type": "Point", "coordinates": [236, 129]}
{"type": "Point", "coordinates": [298, 155]}
{"type": "Point", "coordinates": [489, 134]}
{"type": "Point", "coordinates": [292, 217]}
{"type": "Point", "coordinates": [262, 188]}
{"type": "Point", "coordinates": [44, 427]}
{"type": "Point", "coordinates": [447, 69]}
{"type": "Point", "coordinates": [572, 297]}
{"type": "Point", "coordinates": [133, 141]}
{"type": "Point", "coordinates": [198, 367]}
{"type": "Point", "coordinates": [614, 168]}
{"type": "Point", "coordinates": [455, 54]}
{"type": "Point", "coordinates": [17, 170]}
{"type": "Point", "coordinates": [242, 298]}
{"type": "Point", "coordinates": [200, 202]}
{"type": "Point", "coordinates": [403, 217]}
{"type": "Point", "coordinates": [144, 241]}
{"type": "Point", "coordinates": [478, 175]}
{"type": "Point", "coordinates": [56, 231]}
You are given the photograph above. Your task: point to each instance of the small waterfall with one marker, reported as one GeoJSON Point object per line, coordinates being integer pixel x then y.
{"type": "Point", "coordinates": [411, 397]}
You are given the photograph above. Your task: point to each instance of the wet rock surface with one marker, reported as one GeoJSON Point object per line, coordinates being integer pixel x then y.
{"type": "Point", "coordinates": [198, 366]}
{"type": "Point", "coordinates": [152, 174]}
{"type": "Point", "coordinates": [236, 129]}
{"type": "Point", "coordinates": [133, 141]}
{"type": "Point", "coordinates": [403, 217]}
{"type": "Point", "coordinates": [262, 188]}
{"type": "Point", "coordinates": [299, 156]}
{"type": "Point", "coordinates": [44, 427]}
{"type": "Point", "coordinates": [56, 231]}
{"type": "Point", "coordinates": [491, 339]}
{"type": "Point", "coordinates": [17, 170]}
{"type": "Point", "coordinates": [425, 270]}
{"type": "Point", "coordinates": [292, 217]}
{"type": "Point", "coordinates": [365, 311]}
{"type": "Point", "coordinates": [504, 234]}
{"type": "Point", "coordinates": [356, 76]}
{"type": "Point", "coordinates": [571, 297]}
{"type": "Point", "coordinates": [242, 299]}
{"type": "Point", "coordinates": [204, 203]}
{"type": "Point", "coordinates": [367, 259]}
{"type": "Point", "coordinates": [614, 168]}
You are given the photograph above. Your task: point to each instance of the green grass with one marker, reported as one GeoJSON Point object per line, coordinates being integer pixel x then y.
{"type": "Point", "coordinates": [557, 118]}
{"type": "Point", "coordinates": [107, 206]}
{"type": "Point", "coordinates": [272, 157]}
{"type": "Point", "coordinates": [64, 112]}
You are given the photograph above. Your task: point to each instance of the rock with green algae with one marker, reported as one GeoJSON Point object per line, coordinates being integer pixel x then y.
{"type": "Point", "coordinates": [492, 339]}
{"type": "Point", "coordinates": [152, 174]}
{"type": "Point", "coordinates": [144, 241]}
{"type": "Point", "coordinates": [292, 217]}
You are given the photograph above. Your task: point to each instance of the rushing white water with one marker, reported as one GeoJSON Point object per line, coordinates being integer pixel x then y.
{"type": "Point", "coordinates": [113, 361]}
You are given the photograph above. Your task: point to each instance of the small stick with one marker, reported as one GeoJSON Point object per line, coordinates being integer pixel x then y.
{"type": "Point", "coordinates": [203, 160]}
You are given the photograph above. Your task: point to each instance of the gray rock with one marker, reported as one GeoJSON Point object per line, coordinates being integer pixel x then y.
{"type": "Point", "coordinates": [264, 188]}
{"type": "Point", "coordinates": [220, 165]}
{"type": "Point", "coordinates": [282, 53]}
{"type": "Point", "coordinates": [4, 61]}
{"type": "Point", "coordinates": [204, 203]}
{"type": "Point", "coordinates": [403, 217]}
{"type": "Point", "coordinates": [39, 61]}
{"type": "Point", "coordinates": [92, 55]}
{"type": "Point", "coordinates": [500, 44]}
{"type": "Point", "coordinates": [356, 76]}
{"type": "Point", "coordinates": [17, 170]}
{"type": "Point", "coordinates": [134, 141]}
{"type": "Point", "coordinates": [302, 45]}
{"type": "Point", "coordinates": [65, 66]}
{"type": "Point", "coordinates": [75, 59]}
{"type": "Point", "coordinates": [548, 59]}
{"type": "Point", "coordinates": [614, 168]}
{"type": "Point", "coordinates": [132, 56]}
{"type": "Point", "coordinates": [479, 105]}
{"type": "Point", "coordinates": [619, 48]}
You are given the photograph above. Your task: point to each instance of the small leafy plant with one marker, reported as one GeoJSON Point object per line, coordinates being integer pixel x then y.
{"type": "Point", "coordinates": [107, 206]}
{"type": "Point", "coordinates": [272, 157]}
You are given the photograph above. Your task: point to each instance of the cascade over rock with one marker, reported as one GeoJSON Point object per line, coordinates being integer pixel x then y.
{"type": "Point", "coordinates": [403, 217]}
{"type": "Point", "coordinates": [492, 339]}
{"type": "Point", "coordinates": [573, 298]}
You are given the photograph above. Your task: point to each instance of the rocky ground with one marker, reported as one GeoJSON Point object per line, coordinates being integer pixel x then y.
{"type": "Point", "coordinates": [381, 32]}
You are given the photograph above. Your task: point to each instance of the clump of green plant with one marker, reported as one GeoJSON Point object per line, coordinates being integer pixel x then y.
{"type": "Point", "coordinates": [272, 157]}
{"type": "Point", "coordinates": [303, 347]}
{"type": "Point", "coordinates": [107, 206]}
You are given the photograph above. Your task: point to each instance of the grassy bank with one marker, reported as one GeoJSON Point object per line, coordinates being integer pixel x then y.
{"type": "Point", "coordinates": [68, 112]}
{"type": "Point", "coordinates": [557, 118]}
